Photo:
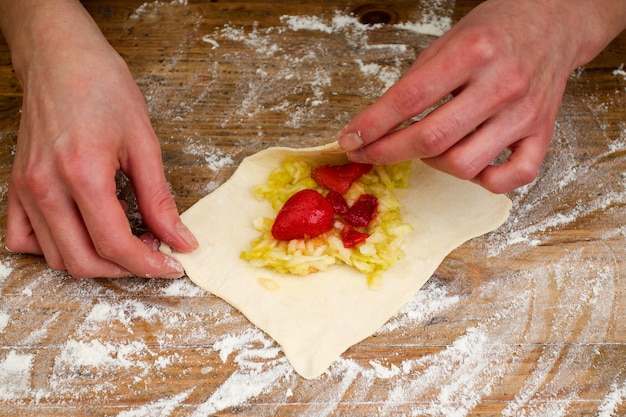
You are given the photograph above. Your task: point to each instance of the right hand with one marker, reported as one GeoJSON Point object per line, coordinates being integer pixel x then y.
{"type": "Point", "coordinates": [505, 66]}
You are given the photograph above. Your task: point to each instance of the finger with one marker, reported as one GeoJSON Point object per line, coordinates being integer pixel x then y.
{"type": "Point", "coordinates": [66, 238]}
{"type": "Point", "coordinates": [110, 233]}
{"type": "Point", "coordinates": [469, 156]}
{"type": "Point", "coordinates": [149, 240]}
{"type": "Point", "coordinates": [415, 92]}
{"type": "Point", "coordinates": [44, 220]}
{"type": "Point", "coordinates": [434, 134]}
{"type": "Point", "coordinates": [106, 223]}
{"type": "Point", "coordinates": [30, 217]}
{"type": "Point", "coordinates": [56, 226]}
{"type": "Point", "coordinates": [155, 201]}
{"type": "Point", "coordinates": [521, 168]}
{"type": "Point", "coordinates": [20, 236]}
{"type": "Point", "coordinates": [476, 152]}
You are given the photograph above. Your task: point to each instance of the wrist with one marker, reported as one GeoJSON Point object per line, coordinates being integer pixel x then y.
{"type": "Point", "coordinates": [42, 32]}
{"type": "Point", "coordinates": [595, 24]}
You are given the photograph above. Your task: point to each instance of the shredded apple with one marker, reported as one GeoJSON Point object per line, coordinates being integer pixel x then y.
{"type": "Point", "coordinates": [331, 214]}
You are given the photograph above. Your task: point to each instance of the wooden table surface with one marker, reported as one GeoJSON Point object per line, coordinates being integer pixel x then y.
{"type": "Point", "coordinates": [526, 321]}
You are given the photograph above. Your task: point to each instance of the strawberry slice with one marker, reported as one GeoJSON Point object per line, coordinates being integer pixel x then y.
{"type": "Point", "coordinates": [337, 201]}
{"type": "Point", "coordinates": [352, 237]}
{"type": "Point", "coordinates": [305, 214]}
{"type": "Point", "coordinates": [362, 212]}
{"type": "Point", "coordinates": [339, 177]}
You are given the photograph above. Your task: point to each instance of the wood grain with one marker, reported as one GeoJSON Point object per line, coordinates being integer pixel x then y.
{"type": "Point", "coordinates": [528, 320]}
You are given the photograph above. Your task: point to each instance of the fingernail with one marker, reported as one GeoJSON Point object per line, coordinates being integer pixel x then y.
{"type": "Point", "coordinates": [358, 156]}
{"type": "Point", "coordinates": [177, 268]}
{"type": "Point", "coordinates": [186, 234]}
{"type": "Point", "coordinates": [351, 141]}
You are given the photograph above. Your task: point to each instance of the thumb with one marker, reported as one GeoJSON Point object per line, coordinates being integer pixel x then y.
{"type": "Point", "coordinates": [156, 203]}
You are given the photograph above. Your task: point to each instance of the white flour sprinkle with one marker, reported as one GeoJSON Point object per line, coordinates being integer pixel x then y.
{"type": "Point", "coordinates": [183, 288]}
{"type": "Point", "coordinates": [388, 76]}
{"type": "Point", "coordinates": [4, 320]}
{"type": "Point", "coordinates": [613, 399]}
{"type": "Point", "coordinates": [5, 271]}
{"type": "Point", "coordinates": [151, 7]}
{"type": "Point", "coordinates": [213, 42]}
{"type": "Point", "coordinates": [218, 160]}
{"type": "Point", "coordinates": [15, 376]}
{"type": "Point", "coordinates": [431, 24]}
{"type": "Point", "coordinates": [97, 355]}
{"type": "Point", "coordinates": [383, 372]}
{"type": "Point", "coordinates": [124, 312]}
{"type": "Point", "coordinates": [424, 306]}
{"type": "Point", "coordinates": [241, 387]}
{"type": "Point", "coordinates": [162, 407]}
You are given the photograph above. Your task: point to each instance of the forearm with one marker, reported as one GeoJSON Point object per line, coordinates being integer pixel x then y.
{"type": "Point", "coordinates": [595, 24]}
{"type": "Point", "coordinates": [575, 30]}
{"type": "Point", "coordinates": [40, 31]}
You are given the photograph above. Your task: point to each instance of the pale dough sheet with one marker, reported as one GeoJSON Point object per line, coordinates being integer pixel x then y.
{"type": "Point", "coordinates": [317, 317]}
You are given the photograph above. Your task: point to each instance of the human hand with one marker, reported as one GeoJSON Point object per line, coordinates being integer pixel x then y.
{"type": "Point", "coordinates": [84, 119]}
{"type": "Point", "coordinates": [505, 67]}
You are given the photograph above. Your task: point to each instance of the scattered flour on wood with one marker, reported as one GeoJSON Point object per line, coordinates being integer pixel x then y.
{"type": "Point", "coordinates": [151, 7]}
{"type": "Point", "coordinates": [620, 72]}
{"type": "Point", "coordinates": [5, 271]}
{"type": "Point", "coordinates": [613, 399]}
{"type": "Point", "coordinates": [162, 407]}
{"type": "Point", "coordinates": [302, 83]}
{"type": "Point", "coordinates": [4, 320]}
{"type": "Point", "coordinates": [183, 288]}
{"type": "Point", "coordinates": [451, 379]}
{"type": "Point", "coordinates": [15, 376]}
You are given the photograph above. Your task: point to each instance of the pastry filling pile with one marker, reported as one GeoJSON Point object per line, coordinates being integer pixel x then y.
{"type": "Point", "coordinates": [331, 214]}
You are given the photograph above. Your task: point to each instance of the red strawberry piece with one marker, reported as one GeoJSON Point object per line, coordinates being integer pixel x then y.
{"type": "Point", "coordinates": [352, 237]}
{"type": "Point", "coordinates": [337, 201]}
{"type": "Point", "coordinates": [361, 213]}
{"type": "Point", "coordinates": [305, 214]}
{"type": "Point", "coordinates": [339, 177]}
